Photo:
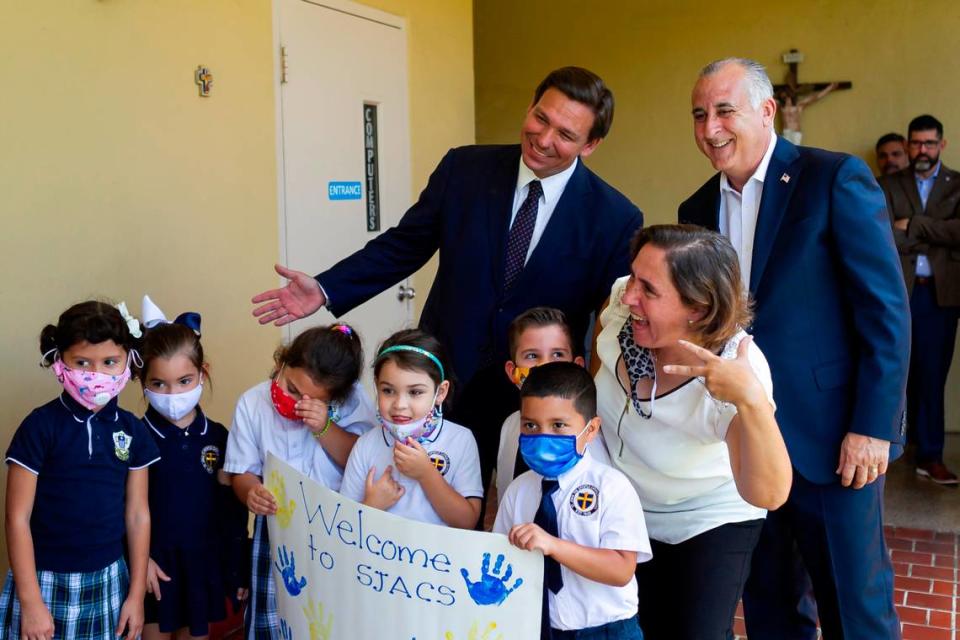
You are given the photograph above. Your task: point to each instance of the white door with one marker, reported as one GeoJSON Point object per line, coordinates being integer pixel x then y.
{"type": "Point", "coordinates": [342, 77]}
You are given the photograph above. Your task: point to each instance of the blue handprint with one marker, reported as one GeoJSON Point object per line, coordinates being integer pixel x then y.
{"type": "Point", "coordinates": [286, 631]}
{"type": "Point", "coordinates": [288, 570]}
{"type": "Point", "coordinates": [491, 588]}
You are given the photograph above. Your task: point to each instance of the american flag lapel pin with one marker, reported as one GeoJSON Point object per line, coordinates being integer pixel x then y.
{"type": "Point", "coordinates": [785, 178]}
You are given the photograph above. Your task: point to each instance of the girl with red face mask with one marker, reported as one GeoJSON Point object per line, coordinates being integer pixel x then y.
{"type": "Point", "coordinates": [309, 414]}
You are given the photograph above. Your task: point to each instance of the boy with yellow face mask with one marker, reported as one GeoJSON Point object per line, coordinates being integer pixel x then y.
{"type": "Point", "coordinates": [537, 336]}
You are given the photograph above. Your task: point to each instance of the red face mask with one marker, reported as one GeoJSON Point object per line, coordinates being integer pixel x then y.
{"type": "Point", "coordinates": [283, 402]}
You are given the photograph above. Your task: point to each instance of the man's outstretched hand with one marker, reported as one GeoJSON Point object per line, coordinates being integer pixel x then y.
{"type": "Point", "coordinates": [301, 297]}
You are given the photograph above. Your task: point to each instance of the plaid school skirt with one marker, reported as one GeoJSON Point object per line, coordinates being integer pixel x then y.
{"type": "Point", "coordinates": [84, 605]}
{"type": "Point", "coordinates": [261, 620]}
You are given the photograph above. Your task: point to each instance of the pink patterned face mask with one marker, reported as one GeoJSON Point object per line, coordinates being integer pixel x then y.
{"type": "Point", "coordinates": [90, 388]}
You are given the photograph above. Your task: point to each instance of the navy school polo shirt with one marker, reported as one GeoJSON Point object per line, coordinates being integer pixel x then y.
{"type": "Point", "coordinates": [186, 501]}
{"type": "Point", "coordinates": [82, 460]}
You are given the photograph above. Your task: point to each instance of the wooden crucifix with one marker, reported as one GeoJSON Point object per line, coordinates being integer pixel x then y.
{"type": "Point", "coordinates": [794, 97]}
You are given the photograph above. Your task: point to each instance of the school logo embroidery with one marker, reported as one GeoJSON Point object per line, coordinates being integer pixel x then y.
{"type": "Point", "coordinates": [121, 445]}
{"type": "Point", "coordinates": [209, 456]}
{"type": "Point", "coordinates": [585, 500]}
{"type": "Point", "coordinates": [440, 461]}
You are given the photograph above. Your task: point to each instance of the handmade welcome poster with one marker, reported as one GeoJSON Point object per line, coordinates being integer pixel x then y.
{"type": "Point", "coordinates": [344, 570]}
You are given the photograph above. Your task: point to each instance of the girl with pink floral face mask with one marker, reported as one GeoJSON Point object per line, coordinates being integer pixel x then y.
{"type": "Point", "coordinates": [77, 483]}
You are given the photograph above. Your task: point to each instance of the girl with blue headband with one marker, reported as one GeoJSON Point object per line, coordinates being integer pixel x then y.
{"type": "Point", "coordinates": [417, 465]}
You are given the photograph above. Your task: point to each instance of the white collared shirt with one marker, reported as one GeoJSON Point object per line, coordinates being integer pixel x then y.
{"type": "Point", "coordinates": [596, 507]}
{"type": "Point", "coordinates": [924, 187]}
{"type": "Point", "coordinates": [452, 450]}
{"type": "Point", "coordinates": [552, 190]}
{"type": "Point", "coordinates": [258, 429]}
{"type": "Point", "coordinates": [738, 211]}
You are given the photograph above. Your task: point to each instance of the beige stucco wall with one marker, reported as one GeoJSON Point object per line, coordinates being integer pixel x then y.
{"type": "Point", "coordinates": [118, 180]}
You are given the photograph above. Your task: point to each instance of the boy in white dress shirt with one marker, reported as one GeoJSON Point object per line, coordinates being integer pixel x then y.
{"type": "Point", "coordinates": [583, 515]}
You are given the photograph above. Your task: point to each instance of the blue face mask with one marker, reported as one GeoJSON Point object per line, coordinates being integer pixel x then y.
{"type": "Point", "coordinates": [550, 455]}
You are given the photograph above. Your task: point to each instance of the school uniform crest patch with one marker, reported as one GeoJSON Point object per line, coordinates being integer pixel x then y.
{"type": "Point", "coordinates": [440, 461]}
{"type": "Point", "coordinates": [209, 457]}
{"type": "Point", "coordinates": [585, 500]}
{"type": "Point", "coordinates": [121, 445]}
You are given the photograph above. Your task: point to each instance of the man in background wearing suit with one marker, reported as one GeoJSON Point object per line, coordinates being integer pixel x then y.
{"type": "Point", "coordinates": [517, 226]}
{"type": "Point", "coordinates": [924, 203]}
{"type": "Point", "coordinates": [815, 246]}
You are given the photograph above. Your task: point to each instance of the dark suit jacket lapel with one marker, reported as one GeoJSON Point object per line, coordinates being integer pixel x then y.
{"type": "Point", "coordinates": [908, 182]}
{"type": "Point", "coordinates": [563, 222]}
{"type": "Point", "coordinates": [782, 176]}
{"type": "Point", "coordinates": [706, 212]}
{"type": "Point", "coordinates": [939, 186]}
{"type": "Point", "coordinates": [501, 187]}
{"type": "Point", "coordinates": [703, 207]}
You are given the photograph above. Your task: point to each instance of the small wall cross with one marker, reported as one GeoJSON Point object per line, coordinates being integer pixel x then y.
{"type": "Point", "coordinates": [204, 80]}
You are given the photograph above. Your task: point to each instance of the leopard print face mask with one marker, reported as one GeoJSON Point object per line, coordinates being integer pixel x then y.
{"type": "Point", "coordinates": [640, 364]}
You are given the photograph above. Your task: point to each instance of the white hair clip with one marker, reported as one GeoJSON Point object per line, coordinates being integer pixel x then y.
{"type": "Point", "coordinates": [132, 323]}
{"type": "Point", "coordinates": [152, 315]}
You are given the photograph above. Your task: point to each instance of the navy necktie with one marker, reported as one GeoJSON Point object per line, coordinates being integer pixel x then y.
{"type": "Point", "coordinates": [546, 518]}
{"type": "Point", "coordinates": [521, 231]}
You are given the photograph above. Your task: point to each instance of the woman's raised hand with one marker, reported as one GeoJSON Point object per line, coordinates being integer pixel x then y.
{"type": "Point", "coordinates": [730, 381]}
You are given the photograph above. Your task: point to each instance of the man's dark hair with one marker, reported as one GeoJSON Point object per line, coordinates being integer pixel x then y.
{"type": "Point", "coordinates": [585, 87]}
{"type": "Point", "coordinates": [563, 380]}
{"type": "Point", "coordinates": [926, 122]}
{"type": "Point", "coordinates": [890, 137]}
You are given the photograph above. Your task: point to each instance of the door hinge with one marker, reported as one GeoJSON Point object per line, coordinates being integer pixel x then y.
{"type": "Point", "coordinates": [283, 65]}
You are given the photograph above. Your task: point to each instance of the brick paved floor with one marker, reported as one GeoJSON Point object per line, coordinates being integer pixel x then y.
{"type": "Point", "coordinates": [925, 583]}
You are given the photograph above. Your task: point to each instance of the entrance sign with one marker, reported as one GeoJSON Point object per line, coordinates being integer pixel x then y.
{"type": "Point", "coordinates": [344, 190]}
{"type": "Point", "coordinates": [345, 570]}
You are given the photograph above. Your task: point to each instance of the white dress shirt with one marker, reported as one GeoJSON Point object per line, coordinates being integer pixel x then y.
{"type": "Point", "coordinates": [452, 450]}
{"type": "Point", "coordinates": [552, 190]}
{"type": "Point", "coordinates": [924, 187]}
{"type": "Point", "coordinates": [598, 508]}
{"type": "Point", "coordinates": [738, 211]}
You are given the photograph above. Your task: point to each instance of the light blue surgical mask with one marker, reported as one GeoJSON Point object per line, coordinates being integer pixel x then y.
{"type": "Point", "coordinates": [420, 429]}
{"type": "Point", "coordinates": [550, 455]}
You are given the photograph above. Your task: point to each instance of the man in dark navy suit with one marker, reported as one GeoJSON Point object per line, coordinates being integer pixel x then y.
{"type": "Point", "coordinates": [516, 226]}
{"type": "Point", "coordinates": [815, 244]}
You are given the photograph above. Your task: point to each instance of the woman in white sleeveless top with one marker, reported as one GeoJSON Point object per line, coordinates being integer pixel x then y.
{"type": "Point", "coordinates": [687, 414]}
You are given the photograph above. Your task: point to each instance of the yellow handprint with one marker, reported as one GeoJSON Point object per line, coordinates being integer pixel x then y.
{"type": "Point", "coordinates": [475, 633]}
{"type": "Point", "coordinates": [313, 612]}
{"type": "Point", "coordinates": [279, 490]}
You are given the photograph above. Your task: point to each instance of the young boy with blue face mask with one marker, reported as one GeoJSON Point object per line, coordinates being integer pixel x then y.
{"type": "Point", "coordinates": [583, 515]}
